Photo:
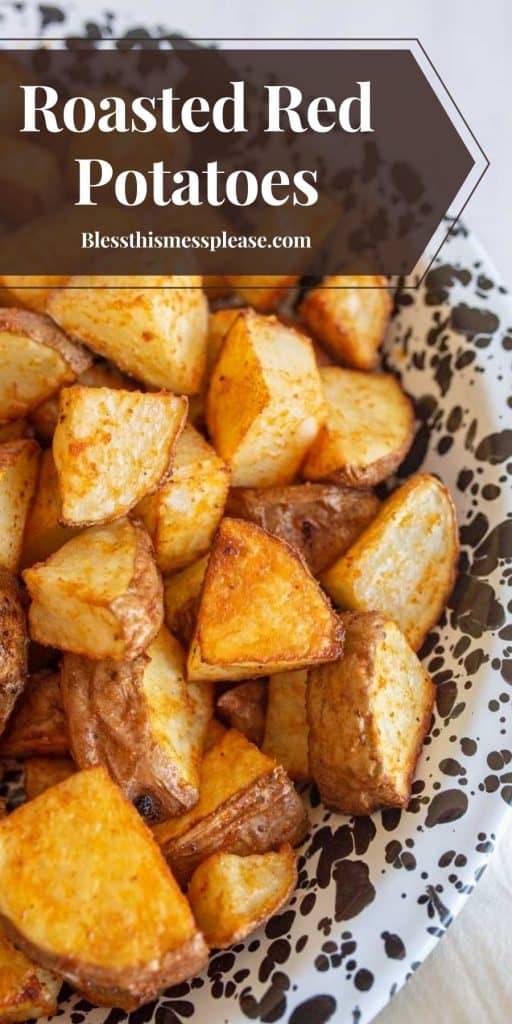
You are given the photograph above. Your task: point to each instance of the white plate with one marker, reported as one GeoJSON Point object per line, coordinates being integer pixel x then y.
{"type": "Point", "coordinates": [376, 894]}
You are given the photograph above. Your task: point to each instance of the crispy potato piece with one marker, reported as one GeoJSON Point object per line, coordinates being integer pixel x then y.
{"type": "Point", "coordinates": [30, 291]}
{"type": "Point", "coordinates": [260, 610]}
{"type": "Point", "coordinates": [142, 721]}
{"type": "Point", "coordinates": [99, 375]}
{"type": "Point", "coordinates": [99, 595]}
{"type": "Point", "coordinates": [15, 431]}
{"type": "Point", "coordinates": [404, 564]}
{"type": "Point", "coordinates": [112, 447]}
{"type": "Point", "coordinates": [247, 804]}
{"type": "Point", "coordinates": [243, 708]}
{"type": "Point", "coordinates": [43, 772]}
{"type": "Point", "coordinates": [153, 327]}
{"type": "Point", "coordinates": [264, 405]}
{"type": "Point", "coordinates": [182, 515]}
{"type": "Point", "coordinates": [286, 727]}
{"type": "Point", "coordinates": [349, 315]}
{"type": "Point", "coordinates": [26, 991]}
{"type": "Point", "coordinates": [265, 291]}
{"type": "Point", "coordinates": [320, 520]}
{"type": "Point", "coordinates": [368, 716]}
{"type": "Point", "coordinates": [43, 532]}
{"type": "Point", "coordinates": [214, 733]}
{"type": "Point", "coordinates": [38, 723]}
{"type": "Point", "coordinates": [219, 323]}
{"type": "Point", "coordinates": [30, 179]}
{"type": "Point", "coordinates": [368, 431]}
{"type": "Point", "coordinates": [181, 600]}
{"type": "Point", "coordinates": [13, 644]}
{"type": "Point", "coordinates": [19, 467]}
{"type": "Point", "coordinates": [95, 901]}
{"type": "Point", "coordinates": [36, 359]}
{"type": "Point", "coordinates": [231, 896]}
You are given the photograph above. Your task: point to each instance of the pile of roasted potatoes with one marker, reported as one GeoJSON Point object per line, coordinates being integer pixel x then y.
{"type": "Point", "coordinates": [202, 602]}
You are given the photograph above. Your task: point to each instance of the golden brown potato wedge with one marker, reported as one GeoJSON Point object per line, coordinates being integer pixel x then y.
{"type": "Point", "coordinates": [320, 520]}
{"type": "Point", "coordinates": [111, 448]}
{"type": "Point", "coordinates": [13, 644]}
{"type": "Point", "coordinates": [260, 610]}
{"type": "Point", "coordinates": [263, 292]}
{"type": "Point", "coordinates": [182, 515]}
{"type": "Point", "coordinates": [99, 375]}
{"type": "Point", "coordinates": [26, 991]}
{"type": "Point", "coordinates": [264, 405]}
{"type": "Point", "coordinates": [43, 532]}
{"type": "Point", "coordinates": [142, 721]}
{"type": "Point", "coordinates": [99, 595]}
{"type": "Point", "coordinates": [368, 716]}
{"type": "Point", "coordinates": [30, 179]}
{"type": "Point", "coordinates": [247, 804]}
{"type": "Point", "coordinates": [95, 901]}
{"type": "Point", "coordinates": [219, 323]}
{"type": "Point", "coordinates": [368, 430]}
{"type": "Point", "coordinates": [154, 328]}
{"type": "Point", "coordinates": [181, 600]}
{"type": "Point", "coordinates": [37, 359]}
{"type": "Point", "coordinates": [43, 772]}
{"type": "Point", "coordinates": [404, 563]}
{"type": "Point", "coordinates": [243, 708]}
{"type": "Point", "coordinates": [231, 896]}
{"type": "Point", "coordinates": [286, 727]}
{"type": "Point", "coordinates": [19, 468]}
{"type": "Point", "coordinates": [349, 315]}
{"type": "Point", "coordinates": [37, 725]}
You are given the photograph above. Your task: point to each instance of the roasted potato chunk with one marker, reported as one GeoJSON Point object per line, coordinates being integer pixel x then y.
{"type": "Point", "coordinates": [368, 431]}
{"type": "Point", "coordinates": [219, 323]}
{"type": "Point", "coordinates": [404, 563]}
{"type": "Point", "coordinates": [181, 600]}
{"type": "Point", "coordinates": [142, 721]}
{"type": "Point", "coordinates": [19, 467]}
{"type": "Point", "coordinates": [215, 731]}
{"type": "Point", "coordinates": [26, 991]}
{"type": "Point", "coordinates": [286, 727]}
{"type": "Point", "coordinates": [43, 534]}
{"type": "Point", "coordinates": [230, 895]}
{"type": "Point", "coordinates": [349, 315]}
{"type": "Point", "coordinates": [265, 291]}
{"type": "Point", "coordinates": [368, 716]}
{"type": "Point", "coordinates": [95, 901]}
{"type": "Point", "coordinates": [99, 595]}
{"type": "Point", "coordinates": [99, 375]}
{"type": "Point", "coordinates": [154, 328]}
{"type": "Point", "coordinates": [13, 644]}
{"type": "Point", "coordinates": [243, 708]}
{"type": "Point", "coordinates": [38, 724]}
{"type": "Point", "coordinates": [260, 610]}
{"type": "Point", "coordinates": [183, 514]}
{"type": "Point", "coordinates": [37, 359]}
{"type": "Point", "coordinates": [30, 179]}
{"type": "Point", "coordinates": [247, 804]}
{"type": "Point", "coordinates": [29, 291]}
{"type": "Point", "coordinates": [43, 772]}
{"type": "Point", "coordinates": [320, 520]}
{"type": "Point", "coordinates": [112, 447]}
{"type": "Point", "coordinates": [264, 405]}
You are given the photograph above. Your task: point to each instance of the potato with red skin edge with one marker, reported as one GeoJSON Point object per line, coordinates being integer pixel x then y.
{"type": "Point", "coordinates": [243, 707]}
{"type": "Point", "coordinates": [368, 716]}
{"type": "Point", "coordinates": [263, 292]}
{"type": "Point", "coordinates": [287, 623]}
{"type": "Point", "coordinates": [95, 901]}
{"type": "Point", "coordinates": [37, 359]}
{"type": "Point", "coordinates": [231, 896]}
{"type": "Point", "coordinates": [368, 431]}
{"type": "Point", "coordinates": [43, 772]}
{"type": "Point", "coordinates": [26, 990]}
{"type": "Point", "coordinates": [320, 521]}
{"type": "Point", "coordinates": [404, 564]}
{"type": "Point", "coordinates": [264, 405]}
{"type": "Point", "coordinates": [349, 315]}
{"type": "Point", "coordinates": [181, 599]}
{"type": "Point", "coordinates": [154, 328]}
{"type": "Point", "coordinates": [19, 469]}
{"type": "Point", "coordinates": [286, 726]}
{"type": "Point", "coordinates": [37, 725]}
{"type": "Point", "coordinates": [99, 595]}
{"type": "Point", "coordinates": [14, 644]}
{"type": "Point", "coordinates": [247, 804]}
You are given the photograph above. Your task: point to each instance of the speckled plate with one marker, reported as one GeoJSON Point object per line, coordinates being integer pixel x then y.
{"type": "Point", "coordinates": [375, 894]}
